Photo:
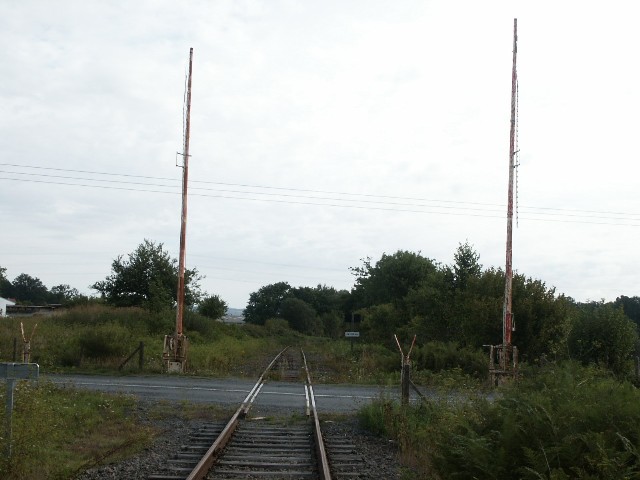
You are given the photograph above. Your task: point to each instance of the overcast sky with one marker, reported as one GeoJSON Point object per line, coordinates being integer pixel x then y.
{"type": "Point", "coordinates": [322, 132]}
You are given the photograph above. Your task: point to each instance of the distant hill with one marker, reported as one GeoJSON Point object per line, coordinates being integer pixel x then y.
{"type": "Point", "coordinates": [234, 312]}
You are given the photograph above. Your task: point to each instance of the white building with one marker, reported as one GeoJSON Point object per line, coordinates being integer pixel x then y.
{"type": "Point", "coordinates": [3, 306]}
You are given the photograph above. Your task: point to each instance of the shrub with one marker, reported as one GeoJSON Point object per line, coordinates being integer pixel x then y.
{"type": "Point", "coordinates": [195, 322]}
{"type": "Point", "coordinates": [104, 341]}
{"type": "Point", "coordinates": [560, 422]}
{"type": "Point", "coordinates": [438, 356]}
{"type": "Point", "coordinates": [604, 335]}
{"type": "Point", "coordinates": [277, 326]}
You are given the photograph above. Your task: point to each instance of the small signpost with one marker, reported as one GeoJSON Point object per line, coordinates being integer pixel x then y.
{"type": "Point", "coordinates": [12, 372]}
{"type": "Point", "coordinates": [352, 336]}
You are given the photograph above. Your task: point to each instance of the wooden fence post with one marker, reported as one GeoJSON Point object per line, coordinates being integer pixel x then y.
{"type": "Point", "coordinates": [405, 373]}
{"type": "Point", "coordinates": [141, 355]}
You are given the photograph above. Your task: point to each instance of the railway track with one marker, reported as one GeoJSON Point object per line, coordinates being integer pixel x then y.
{"type": "Point", "coordinates": [256, 448]}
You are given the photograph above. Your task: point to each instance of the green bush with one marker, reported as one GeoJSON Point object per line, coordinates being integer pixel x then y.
{"type": "Point", "coordinates": [195, 322]}
{"type": "Point", "coordinates": [561, 422]}
{"type": "Point", "coordinates": [603, 334]}
{"type": "Point", "coordinates": [101, 342]}
{"type": "Point", "coordinates": [438, 356]}
{"type": "Point", "coordinates": [375, 416]}
{"type": "Point", "coordinates": [277, 326]}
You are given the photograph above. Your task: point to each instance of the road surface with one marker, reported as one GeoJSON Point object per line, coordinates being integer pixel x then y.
{"type": "Point", "coordinates": [230, 391]}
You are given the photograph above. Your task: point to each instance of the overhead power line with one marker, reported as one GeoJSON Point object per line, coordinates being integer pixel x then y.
{"type": "Point", "coordinates": [244, 185]}
{"type": "Point", "coordinates": [302, 196]}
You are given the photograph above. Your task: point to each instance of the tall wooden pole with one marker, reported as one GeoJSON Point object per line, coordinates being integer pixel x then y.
{"type": "Point", "coordinates": [183, 224]}
{"type": "Point", "coordinates": [507, 323]}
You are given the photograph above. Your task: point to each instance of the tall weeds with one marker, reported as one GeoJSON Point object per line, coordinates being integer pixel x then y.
{"type": "Point", "coordinates": [563, 422]}
{"type": "Point", "coordinates": [58, 431]}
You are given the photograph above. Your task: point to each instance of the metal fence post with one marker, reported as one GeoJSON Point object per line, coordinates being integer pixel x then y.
{"type": "Point", "coordinates": [11, 383]}
{"type": "Point", "coordinates": [12, 372]}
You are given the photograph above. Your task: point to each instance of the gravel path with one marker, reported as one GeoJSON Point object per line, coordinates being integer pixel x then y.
{"type": "Point", "coordinates": [380, 456]}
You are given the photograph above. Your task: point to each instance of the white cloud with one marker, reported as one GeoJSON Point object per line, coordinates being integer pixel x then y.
{"type": "Point", "coordinates": [402, 99]}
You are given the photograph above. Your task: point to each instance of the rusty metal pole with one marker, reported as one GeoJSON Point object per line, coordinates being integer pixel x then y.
{"type": "Point", "coordinates": [507, 319]}
{"type": "Point", "coordinates": [183, 223]}
{"type": "Point", "coordinates": [175, 346]}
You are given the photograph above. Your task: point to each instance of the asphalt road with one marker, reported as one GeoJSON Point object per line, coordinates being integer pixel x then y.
{"type": "Point", "coordinates": [282, 396]}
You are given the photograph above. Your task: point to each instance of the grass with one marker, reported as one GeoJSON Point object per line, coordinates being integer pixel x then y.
{"type": "Point", "coordinates": [70, 430]}
{"type": "Point", "coordinates": [97, 339]}
{"type": "Point", "coordinates": [60, 431]}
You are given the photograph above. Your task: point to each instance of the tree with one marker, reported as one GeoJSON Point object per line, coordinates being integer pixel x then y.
{"type": "Point", "coordinates": [631, 307]}
{"type": "Point", "coordinates": [5, 284]}
{"type": "Point", "coordinates": [390, 279]}
{"type": "Point", "coordinates": [266, 303]}
{"type": "Point", "coordinates": [322, 298]}
{"type": "Point", "coordinates": [381, 322]}
{"type": "Point", "coordinates": [466, 308]}
{"type": "Point", "coordinates": [328, 303]}
{"type": "Point", "coordinates": [29, 290]}
{"type": "Point", "coordinates": [466, 265]}
{"type": "Point", "coordinates": [430, 310]}
{"type": "Point", "coordinates": [301, 316]}
{"type": "Point", "coordinates": [148, 278]}
{"type": "Point", "coordinates": [541, 319]}
{"type": "Point", "coordinates": [603, 334]}
{"type": "Point", "coordinates": [213, 307]}
{"type": "Point", "coordinates": [475, 310]}
{"type": "Point", "coordinates": [65, 295]}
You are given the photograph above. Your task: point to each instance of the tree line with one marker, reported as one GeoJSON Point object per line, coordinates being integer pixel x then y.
{"type": "Point", "coordinates": [406, 293]}
{"type": "Point", "coordinates": [403, 293]}
{"type": "Point", "coordinates": [30, 290]}
{"type": "Point", "coordinates": [146, 278]}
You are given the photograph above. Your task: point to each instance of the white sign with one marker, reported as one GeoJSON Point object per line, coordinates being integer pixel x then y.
{"type": "Point", "coordinates": [351, 334]}
{"type": "Point", "coordinates": [15, 371]}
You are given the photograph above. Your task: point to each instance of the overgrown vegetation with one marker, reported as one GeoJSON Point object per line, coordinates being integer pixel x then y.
{"type": "Point", "coordinates": [98, 337]}
{"type": "Point", "coordinates": [572, 415]}
{"type": "Point", "coordinates": [454, 310]}
{"type": "Point", "coordinates": [558, 422]}
{"type": "Point", "coordinates": [58, 432]}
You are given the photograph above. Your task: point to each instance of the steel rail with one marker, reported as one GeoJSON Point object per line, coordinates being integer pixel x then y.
{"type": "Point", "coordinates": [321, 451]}
{"type": "Point", "coordinates": [204, 465]}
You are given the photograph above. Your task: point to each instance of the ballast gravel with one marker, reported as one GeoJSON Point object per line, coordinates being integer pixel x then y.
{"type": "Point", "coordinates": [380, 458]}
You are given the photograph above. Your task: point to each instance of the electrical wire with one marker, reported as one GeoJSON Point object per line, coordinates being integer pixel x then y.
{"type": "Point", "coordinates": [264, 187]}
{"type": "Point", "coordinates": [294, 196]}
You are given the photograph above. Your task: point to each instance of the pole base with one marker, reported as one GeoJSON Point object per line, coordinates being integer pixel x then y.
{"type": "Point", "coordinates": [174, 354]}
{"type": "Point", "coordinates": [503, 364]}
